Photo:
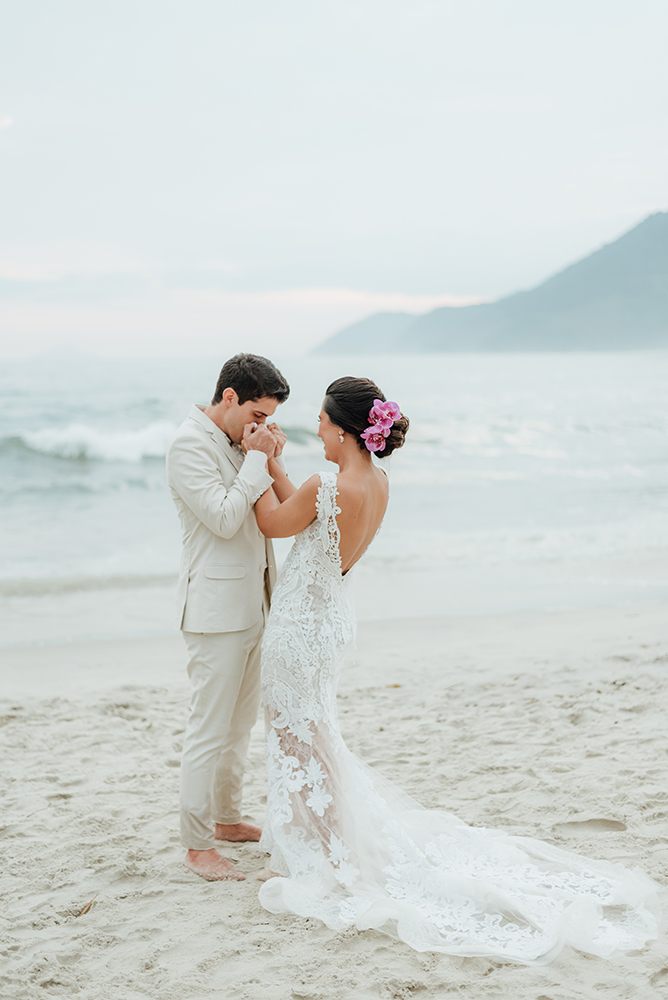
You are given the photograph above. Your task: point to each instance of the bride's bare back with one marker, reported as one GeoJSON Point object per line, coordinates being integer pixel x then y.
{"type": "Point", "coordinates": [363, 502]}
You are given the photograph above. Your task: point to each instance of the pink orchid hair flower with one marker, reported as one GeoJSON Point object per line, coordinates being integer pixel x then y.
{"type": "Point", "coordinates": [374, 438]}
{"type": "Point", "coordinates": [382, 415]}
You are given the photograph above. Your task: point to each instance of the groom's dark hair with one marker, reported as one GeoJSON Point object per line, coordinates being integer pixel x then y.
{"type": "Point", "coordinates": [251, 377]}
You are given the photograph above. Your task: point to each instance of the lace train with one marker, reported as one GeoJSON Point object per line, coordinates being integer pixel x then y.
{"type": "Point", "coordinates": [353, 849]}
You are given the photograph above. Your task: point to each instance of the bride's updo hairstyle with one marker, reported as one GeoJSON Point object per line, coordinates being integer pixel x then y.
{"type": "Point", "coordinates": [348, 403]}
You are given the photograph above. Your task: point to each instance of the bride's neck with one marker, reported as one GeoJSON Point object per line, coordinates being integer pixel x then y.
{"type": "Point", "coordinates": [354, 460]}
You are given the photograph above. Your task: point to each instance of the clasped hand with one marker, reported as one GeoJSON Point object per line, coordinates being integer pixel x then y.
{"type": "Point", "coordinates": [262, 437]}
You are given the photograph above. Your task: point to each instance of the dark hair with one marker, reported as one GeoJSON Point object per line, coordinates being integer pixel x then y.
{"type": "Point", "coordinates": [348, 402]}
{"type": "Point", "coordinates": [251, 377]}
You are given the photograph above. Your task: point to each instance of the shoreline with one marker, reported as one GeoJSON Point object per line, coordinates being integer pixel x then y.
{"type": "Point", "coordinates": [529, 639]}
{"type": "Point", "coordinates": [35, 612]}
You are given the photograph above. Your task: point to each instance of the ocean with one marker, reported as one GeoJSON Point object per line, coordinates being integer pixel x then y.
{"type": "Point", "coordinates": [527, 481]}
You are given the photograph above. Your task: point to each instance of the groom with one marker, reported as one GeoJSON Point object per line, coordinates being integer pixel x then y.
{"type": "Point", "coordinates": [216, 470]}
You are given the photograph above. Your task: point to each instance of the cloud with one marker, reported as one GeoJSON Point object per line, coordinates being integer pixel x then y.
{"type": "Point", "coordinates": [6, 121]}
{"type": "Point", "coordinates": [51, 260]}
{"type": "Point", "coordinates": [495, 104]}
{"type": "Point", "coordinates": [375, 301]}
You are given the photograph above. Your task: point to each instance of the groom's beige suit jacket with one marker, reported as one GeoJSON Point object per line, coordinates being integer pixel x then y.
{"type": "Point", "coordinates": [227, 565]}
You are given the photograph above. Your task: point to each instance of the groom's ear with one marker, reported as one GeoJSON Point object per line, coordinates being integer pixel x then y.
{"type": "Point", "coordinates": [229, 396]}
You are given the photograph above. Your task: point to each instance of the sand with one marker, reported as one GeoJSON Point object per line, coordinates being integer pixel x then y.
{"type": "Point", "coordinates": [544, 724]}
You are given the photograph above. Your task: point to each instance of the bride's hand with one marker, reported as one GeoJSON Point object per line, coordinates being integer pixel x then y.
{"type": "Point", "coordinates": [258, 437]}
{"type": "Point", "coordinates": [280, 438]}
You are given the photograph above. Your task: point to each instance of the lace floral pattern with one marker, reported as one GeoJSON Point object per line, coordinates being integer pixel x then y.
{"type": "Point", "coordinates": [353, 849]}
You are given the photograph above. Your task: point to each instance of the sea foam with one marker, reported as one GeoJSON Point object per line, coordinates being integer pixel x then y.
{"type": "Point", "coordinates": [78, 441]}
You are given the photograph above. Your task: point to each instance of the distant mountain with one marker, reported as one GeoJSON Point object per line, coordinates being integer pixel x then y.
{"type": "Point", "coordinates": [615, 299]}
{"type": "Point", "coordinates": [364, 335]}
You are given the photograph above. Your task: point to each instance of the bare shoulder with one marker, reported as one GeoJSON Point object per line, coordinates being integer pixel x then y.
{"type": "Point", "coordinates": [350, 489]}
{"type": "Point", "coordinates": [307, 492]}
{"type": "Point", "coordinates": [356, 491]}
{"type": "Point", "coordinates": [310, 486]}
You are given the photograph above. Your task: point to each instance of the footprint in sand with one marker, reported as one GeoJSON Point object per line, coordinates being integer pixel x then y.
{"type": "Point", "coordinates": [590, 826]}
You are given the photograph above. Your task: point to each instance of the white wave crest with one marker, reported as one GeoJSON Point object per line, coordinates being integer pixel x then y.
{"type": "Point", "coordinates": [79, 442]}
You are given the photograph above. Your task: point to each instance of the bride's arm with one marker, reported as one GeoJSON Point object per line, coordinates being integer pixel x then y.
{"type": "Point", "coordinates": [280, 520]}
{"type": "Point", "coordinates": [282, 486]}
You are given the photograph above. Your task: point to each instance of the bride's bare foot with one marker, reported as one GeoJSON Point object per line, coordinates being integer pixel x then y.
{"type": "Point", "coordinates": [267, 873]}
{"type": "Point", "coordinates": [237, 832]}
{"type": "Point", "coordinates": [212, 866]}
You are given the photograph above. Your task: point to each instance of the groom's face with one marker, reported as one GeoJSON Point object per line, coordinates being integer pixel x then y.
{"type": "Point", "coordinates": [253, 411]}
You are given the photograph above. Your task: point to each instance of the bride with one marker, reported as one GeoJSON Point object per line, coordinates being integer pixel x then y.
{"type": "Point", "coordinates": [347, 845]}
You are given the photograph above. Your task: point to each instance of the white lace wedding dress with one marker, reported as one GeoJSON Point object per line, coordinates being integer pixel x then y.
{"type": "Point", "coordinates": [353, 849]}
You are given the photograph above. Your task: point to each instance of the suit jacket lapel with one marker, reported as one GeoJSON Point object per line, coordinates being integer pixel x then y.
{"type": "Point", "coordinates": [218, 436]}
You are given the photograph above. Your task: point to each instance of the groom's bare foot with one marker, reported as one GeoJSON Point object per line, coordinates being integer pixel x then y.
{"type": "Point", "coordinates": [237, 832]}
{"type": "Point", "coordinates": [212, 866]}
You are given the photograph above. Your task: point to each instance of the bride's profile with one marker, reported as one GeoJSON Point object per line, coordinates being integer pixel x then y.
{"type": "Point", "coordinates": [348, 846]}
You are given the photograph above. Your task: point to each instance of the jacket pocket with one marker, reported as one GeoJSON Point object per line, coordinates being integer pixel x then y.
{"type": "Point", "coordinates": [224, 572]}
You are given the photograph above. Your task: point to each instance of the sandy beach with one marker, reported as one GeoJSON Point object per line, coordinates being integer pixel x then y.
{"type": "Point", "coordinates": [544, 724]}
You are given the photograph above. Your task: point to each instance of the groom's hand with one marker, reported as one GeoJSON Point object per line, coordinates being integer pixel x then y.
{"type": "Point", "coordinates": [257, 437]}
{"type": "Point", "coordinates": [280, 437]}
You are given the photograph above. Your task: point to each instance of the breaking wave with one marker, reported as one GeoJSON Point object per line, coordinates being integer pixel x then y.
{"type": "Point", "coordinates": [79, 442]}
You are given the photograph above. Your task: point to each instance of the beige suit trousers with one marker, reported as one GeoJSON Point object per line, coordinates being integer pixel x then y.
{"type": "Point", "coordinates": [224, 671]}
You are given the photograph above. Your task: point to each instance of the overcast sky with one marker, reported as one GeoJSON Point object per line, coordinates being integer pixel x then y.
{"type": "Point", "coordinates": [202, 174]}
